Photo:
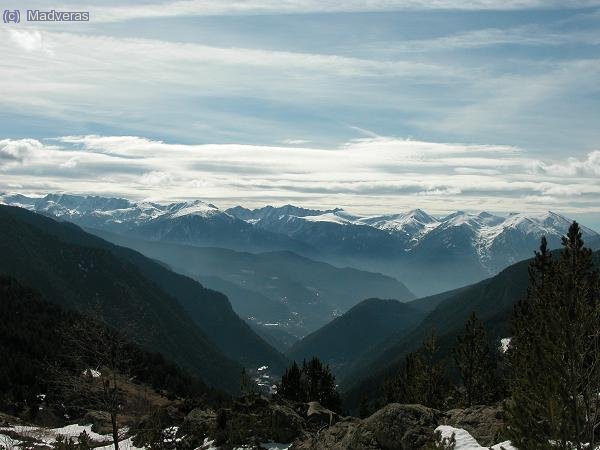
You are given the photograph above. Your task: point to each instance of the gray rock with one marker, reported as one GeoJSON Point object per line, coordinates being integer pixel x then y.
{"type": "Point", "coordinates": [485, 423]}
{"type": "Point", "coordinates": [247, 422]}
{"type": "Point", "coordinates": [100, 421]}
{"type": "Point", "coordinates": [394, 427]}
{"type": "Point", "coordinates": [319, 415]}
{"type": "Point", "coordinates": [200, 422]}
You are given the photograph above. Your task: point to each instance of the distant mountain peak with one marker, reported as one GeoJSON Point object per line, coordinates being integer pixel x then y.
{"type": "Point", "coordinates": [421, 216]}
{"type": "Point", "coordinates": [483, 240]}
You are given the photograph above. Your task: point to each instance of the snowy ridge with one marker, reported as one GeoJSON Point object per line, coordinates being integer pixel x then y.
{"type": "Point", "coordinates": [101, 211]}
{"type": "Point", "coordinates": [414, 225]}
{"type": "Point", "coordinates": [195, 208]}
{"type": "Point", "coordinates": [494, 241]}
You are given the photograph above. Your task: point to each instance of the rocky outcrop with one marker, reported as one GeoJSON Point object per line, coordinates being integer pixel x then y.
{"type": "Point", "coordinates": [311, 426]}
{"type": "Point", "coordinates": [100, 421]}
{"type": "Point", "coordinates": [394, 427]}
{"type": "Point", "coordinates": [247, 421]}
{"type": "Point", "coordinates": [484, 423]}
{"type": "Point", "coordinates": [317, 415]}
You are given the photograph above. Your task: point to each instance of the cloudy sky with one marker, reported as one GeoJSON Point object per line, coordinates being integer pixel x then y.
{"type": "Point", "coordinates": [371, 105]}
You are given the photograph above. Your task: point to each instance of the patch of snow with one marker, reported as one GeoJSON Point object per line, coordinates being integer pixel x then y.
{"type": "Point", "coordinates": [208, 444]}
{"type": "Point", "coordinates": [91, 373]}
{"type": "Point", "coordinates": [464, 441]}
{"type": "Point", "coordinates": [195, 208]}
{"type": "Point", "coordinates": [126, 444]}
{"type": "Point", "coordinates": [332, 217]}
{"type": "Point", "coordinates": [504, 344]}
{"type": "Point", "coordinates": [49, 435]}
{"type": "Point", "coordinates": [6, 442]}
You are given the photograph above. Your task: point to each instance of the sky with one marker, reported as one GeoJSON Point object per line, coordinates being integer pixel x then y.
{"type": "Point", "coordinates": [374, 106]}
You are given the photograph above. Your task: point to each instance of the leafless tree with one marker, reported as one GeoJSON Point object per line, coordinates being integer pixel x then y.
{"type": "Point", "coordinates": [97, 360]}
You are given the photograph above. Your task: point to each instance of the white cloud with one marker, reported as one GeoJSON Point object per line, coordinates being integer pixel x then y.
{"type": "Point", "coordinates": [399, 173]}
{"type": "Point", "coordinates": [589, 167]}
{"type": "Point", "coordinates": [15, 152]}
{"type": "Point", "coordinates": [30, 41]}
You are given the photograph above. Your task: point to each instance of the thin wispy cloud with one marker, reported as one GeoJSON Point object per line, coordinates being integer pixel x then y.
{"type": "Point", "coordinates": [533, 36]}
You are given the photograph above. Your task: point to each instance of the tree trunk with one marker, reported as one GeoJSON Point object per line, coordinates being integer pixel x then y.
{"type": "Point", "coordinates": [115, 430]}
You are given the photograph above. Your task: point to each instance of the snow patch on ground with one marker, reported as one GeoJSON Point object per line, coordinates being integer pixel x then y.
{"type": "Point", "coordinates": [8, 442]}
{"type": "Point", "coordinates": [49, 435]}
{"type": "Point", "coordinates": [91, 373]}
{"type": "Point", "coordinates": [504, 344]}
{"type": "Point", "coordinates": [464, 441]}
{"type": "Point", "coordinates": [126, 444]}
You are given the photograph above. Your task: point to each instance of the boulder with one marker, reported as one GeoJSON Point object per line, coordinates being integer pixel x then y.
{"type": "Point", "coordinates": [276, 422]}
{"type": "Point", "coordinates": [100, 421]}
{"type": "Point", "coordinates": [485, 423]}
{"type": "Point", "coordinates": [200, 422]}
{"type": "Point", "coordinates": [319, 415]}
{"type": "Point", "coordinates": [246, 422]}
{"type": "Point", "coordinates": [394, 427]}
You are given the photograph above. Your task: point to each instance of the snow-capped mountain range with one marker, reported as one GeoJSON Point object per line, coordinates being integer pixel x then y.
{"type": "Point", "coordinates": [414, 230]}
{"type": "Point", "coordinates": [434, 252]}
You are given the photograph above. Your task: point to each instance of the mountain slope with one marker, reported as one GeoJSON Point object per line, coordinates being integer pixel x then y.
{"type": "Point", "coordinates": [429, 303]}
{"type": "Point", "coordinates": [301, 293]}
{"type": "Point", "coordinates": [78, 270]}
{"type": "Point", "coordinates": [32, 340]}
{"type": "Point", "coordinates": [344, 339]}
{"type": "Point", "coordinates": [88, 278]}
{"type": "Point", "coordinates": [492, 300]}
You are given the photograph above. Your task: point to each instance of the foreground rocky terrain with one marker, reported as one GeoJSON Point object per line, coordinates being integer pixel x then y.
{"type": "Point", "coordinates": [255, 422]}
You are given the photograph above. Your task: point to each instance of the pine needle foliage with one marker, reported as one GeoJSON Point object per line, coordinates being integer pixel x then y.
{"type": "Point", "coordinates": [555, 352]}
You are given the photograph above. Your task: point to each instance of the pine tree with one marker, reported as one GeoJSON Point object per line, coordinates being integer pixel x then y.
{"type": "Point", "coordinates": [555, 353]}
{"type": "Point", "coordinates": [291, 384]}
{"type": "Point", "coordinates": [472, 358]}
{"type": "Point", "coordinates": [320, 384]}
{"type": "Point", "coordinates": [247, 385]}
{"type": "Point", "coordinates": [364, 410]}
{"type": "Point", "coordinates": [313, 382]}
{"type": "Point", "coordinates": [434, 379]}
{"type": "Point", "coordinates": [422, 379]}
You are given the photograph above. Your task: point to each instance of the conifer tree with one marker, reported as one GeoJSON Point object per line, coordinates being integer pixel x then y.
{"type": "Point", "coordinates": [422, 379]}
{"type": "Point", "coordinates": [434, 381]}
{"type": "Point", "coordinates": [320, 384]}
{"type": "Point", "coordinates": [313, 382]}
{"type": "Point", "coordinates": [291, 384]}
{"type": "Point", "coordinates": [555, 352]}
{"type": "Point", "coordinates": [472, 358]}
{"type": "Point", "coordinates": [247, 385]}
{"type": "Point", "coordinates": [364, 410]}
